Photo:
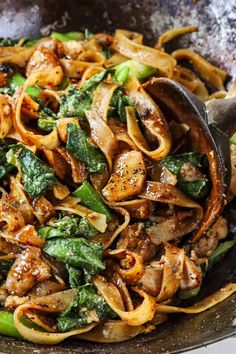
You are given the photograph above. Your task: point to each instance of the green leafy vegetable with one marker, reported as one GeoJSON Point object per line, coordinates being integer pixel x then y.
{"type": "Point", "coordinates": [79, 146]}
{"type": "Point", "coordinates": [64, 37]}
{"type": "Point", "coordinates": [7, 42]}
{"type": "Point", "coordinates": [233, 139]}
{"type": "Point", "coordinates": [77, 101]}
{"type": "Point", "coordinates": [139, 70]}
{"type": "Point", "coordinates": [37, 177]}
{"type": "Point", "coordinates": [117, 105]}
{"type": "Point", "coordinates": [77, 252]}
{"type": "Point", "coordinates": [16, 81]}
{"type": "Point", "coordinates": [220, 252]}
{"type": "Point", "coordinates": [91, 199]}
{"type": "Point", "coordinates": [75, 276]}
{"type": "Point", "coordinates": [196, 189]}
{"type": "Point", "coordinates": [122, 75]}
{"type": "Point", "coordinates": [89, 306]}
{"type": "Point", "coordinates": [5, 166]}
{"type": "Point", "coordinates": [7, 91]}
{"type": "Point", "coordinates": [68, 227]}
{"type": "Point", "coordinates": [175, 163]}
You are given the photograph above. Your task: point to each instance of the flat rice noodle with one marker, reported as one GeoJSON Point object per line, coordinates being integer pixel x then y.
{"type": "Point", "coordinates": [5, 116]}
{"type": "Point", "coordinates": [47, 79]}
{"type": "Point", "coordinates": [173, 33]}
{"type": "Point", "coordinates": [143, 313]}
{"type": "Point", "coordinates": [42, 209]}
{"type": "Point", "coordinates": [174, 226]}
{"type": "Point", "coordinates": [143, 54]}
{"type": "Point", "coordinates": [76, 68]}
{"type": "Point", "coordinates": [167, 193]}
{"type": "Point", "coordinates": [38, 337]}
{"type": "Point", "coordinates": [115, 59]}
{"type": "Point", "coordinates": [172, 272]}
{"type": "Point", "coordinates": [30, 108]}
{"type": "Point", "coordinates": [17, 193]}
{"type": "Point", "coordinates": [11, 217]}
{"type": "Point", "coordinates": [199, 139]}
{"type": "Point", "coordinates": [204, 304]}
{"type": "Point", "coordinates": [102, 98]}
{"type": "Point", "coordinates": [50, 141]}
{"type": "Point", "coordinates": [137, 208]}
{"type": "Point", "coordinates": [151, 117]}
{"type": "Point", "coordinates": [207, 71]}
{"type": "Point", "coordinates": [61, 191]}
{"type": "Point", "coordinates": [15, 55]}
{"type": "Point", "coordinates": [114, 331]}
{"type": "Point", "coordinates": [102, 135]}
{"type": "Point", "coordinates": [121, 285]}
{"type": "Point", "coordinates": [135, 272]}
{"type": "Point", "coordinates": [121, 227]}
{"type": "Point", "coordinates": [71, 205]}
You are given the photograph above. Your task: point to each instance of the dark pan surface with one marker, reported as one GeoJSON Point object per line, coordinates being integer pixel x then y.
{"type": "Point", "coordinates": [216, 40]}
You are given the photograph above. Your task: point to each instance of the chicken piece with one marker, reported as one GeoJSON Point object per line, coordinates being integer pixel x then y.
{"type": "Point", "coordinates": [192, 275]}
{"type": "Point", "coordinates": [42, 209]}
{"type": "Point", "coordinates": [189, 172]}
{"type": "Point", "coordinates": [128, 177]}
{"type": "Point", "coordinates": [152, 278]}
{"type": "Point", "coordinates": [13, 301]}
{"type": "Point", "coordinates": [70, 49]}
{"type": "Point", "coordinates": [208, 243]}
{"type": "Point", "coordinates": [27, 270]}
{"type": "Point", "coordinates": [134, 238]}
{"type": "Point", "coordinates": [233, 167]}
{"type": "Point", "coordinates": [27, 235]}
{"type": "Point", "coordinates": [42, 60]}
{"type": "Point", "coordinates": [57, 162]}
{"type": "Point", "coordinates": [5, 116]}
{"type": "Point", "coordinates": [45, 288]}
{"type": "Point", "coordinates": [3, 294]}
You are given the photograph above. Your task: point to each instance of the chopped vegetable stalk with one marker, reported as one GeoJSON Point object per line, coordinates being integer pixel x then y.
{"type": "Point", "coordinates": [7, 327]}
{"type": "Point", "coordinates": [33, 91]}
{"type": "Point", "coordinates": [64, 37]}
{"type": "Point", "coordinates": [220, 252]}
{"type": "Point", "coordinates": [46, 124]}
{"type": "Point", "coordinates": [139, 70]}
{"type": "Point", "coordinates": [122, 75]}
{"type": "Point", "coordinates": [91, 199]}
{"type": "Point", "coordinates": [16, 81]}
{"type": "Point", "coordinates": [233, 139]}
{"type": "Point", "coordinates": [68, 227]}
{"type": "Point", "coordinates": [79, 146]}
{"type": "Point", "coordinates": [77, 252]}
{"type": "Point", "coordinates": [186, 294]}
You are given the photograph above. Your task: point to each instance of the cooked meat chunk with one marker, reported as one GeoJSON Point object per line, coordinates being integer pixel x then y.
{"type": "Point", "coordinates": [192, 275]}
{"type": "Point", "coordinates": [134, 238]}
{"type": "Point", "coordinates": [189, 172]}
{"type": "Point", "coordinates": [43, 59]}
{"type": "Point", "coordinates": [27, 270]}
{"type": "Point", "coordinates": [128, 177]}
{"type": "Point", "coordinates": [152, 278]}
{"type": "Point", "coordinates": [207, 244]}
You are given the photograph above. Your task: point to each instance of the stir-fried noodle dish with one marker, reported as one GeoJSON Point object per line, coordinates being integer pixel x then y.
{"type": "Point", "coordinates": [109, 209]}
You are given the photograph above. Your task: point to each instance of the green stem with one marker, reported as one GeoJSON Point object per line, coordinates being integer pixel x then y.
{"type": "Point", "coordinates": [7, 327]}
{"type": "Point", "coordinates": [91, 199]}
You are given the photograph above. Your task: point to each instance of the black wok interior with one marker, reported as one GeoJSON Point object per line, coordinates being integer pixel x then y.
{"type": "Point", "coordinates": [216, 40]}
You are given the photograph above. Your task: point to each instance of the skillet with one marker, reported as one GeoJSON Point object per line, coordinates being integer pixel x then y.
{"type": "Point", "coordinates": [216, 40]}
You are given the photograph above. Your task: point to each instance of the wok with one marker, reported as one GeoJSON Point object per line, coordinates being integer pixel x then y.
{"type": "Point", "coordinates": [216, 40]}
